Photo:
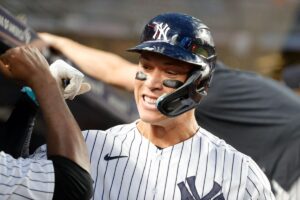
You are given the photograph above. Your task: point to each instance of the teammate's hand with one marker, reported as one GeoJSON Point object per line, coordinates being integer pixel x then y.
{"type": "Point", "coordinates": [26, 64]}
{"type": "Point", "coordinates": [51, 40]}
{"type": "Point", "coordinates": [65, 73]}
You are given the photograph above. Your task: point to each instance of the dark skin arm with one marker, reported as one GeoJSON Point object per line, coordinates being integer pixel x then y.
{"type": "Point", "coordinates": [64, 138]}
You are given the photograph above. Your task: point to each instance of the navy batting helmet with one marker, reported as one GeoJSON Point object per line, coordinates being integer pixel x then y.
{"type": "Point", "coordinates": [186, 38]}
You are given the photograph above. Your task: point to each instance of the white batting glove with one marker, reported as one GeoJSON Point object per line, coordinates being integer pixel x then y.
{"type": "Point", "coordinates": [63, 72]}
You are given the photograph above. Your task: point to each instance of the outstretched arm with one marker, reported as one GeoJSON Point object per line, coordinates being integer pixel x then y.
{"type": "Point", "coordinates": [104, 66]}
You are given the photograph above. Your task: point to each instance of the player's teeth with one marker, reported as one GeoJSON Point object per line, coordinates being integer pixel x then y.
{"type": "Point", "coordinates": [150, 100]}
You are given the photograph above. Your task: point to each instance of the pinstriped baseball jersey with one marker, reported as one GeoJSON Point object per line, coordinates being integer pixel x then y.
{"type": "Point", "coordinates": [26, 178]}
{"type": "Point", "coordinates": [125, 165]}
{"type": "Point", "coordinates": [292, 194]}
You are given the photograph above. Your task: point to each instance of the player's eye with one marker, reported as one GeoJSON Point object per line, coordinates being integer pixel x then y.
{"type": "Point", "coordinates": [146, 67]}
{"type": "Point", "coordinates": [171, 72]}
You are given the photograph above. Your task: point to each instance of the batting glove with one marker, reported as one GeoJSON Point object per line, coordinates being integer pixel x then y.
{"type": "Point", "coordinates": [69, 79]}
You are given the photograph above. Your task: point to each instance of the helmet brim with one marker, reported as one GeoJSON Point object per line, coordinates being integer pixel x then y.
{"type": "Point", "coordinates": [169, 50]}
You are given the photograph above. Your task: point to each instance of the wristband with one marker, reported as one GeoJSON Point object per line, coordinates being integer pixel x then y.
{"type": "Point", "coordinates": [30, 93]}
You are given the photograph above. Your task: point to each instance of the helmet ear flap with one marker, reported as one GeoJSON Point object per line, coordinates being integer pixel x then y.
{"type": "Point", "coordinates": [205, 81]}
{"type": "Point", "coordinates": [212, 62]}
{"type": "Point", "coordinates": [187, 96]}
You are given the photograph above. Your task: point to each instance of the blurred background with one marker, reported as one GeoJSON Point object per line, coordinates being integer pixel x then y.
{"type": "Point", "coordinates": [256, 35]}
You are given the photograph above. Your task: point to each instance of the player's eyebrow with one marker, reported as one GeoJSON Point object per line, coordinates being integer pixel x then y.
{"type": "Point", "coordinates": [171, 63]}
{"type": "Point", "coordinates": [144, 57]}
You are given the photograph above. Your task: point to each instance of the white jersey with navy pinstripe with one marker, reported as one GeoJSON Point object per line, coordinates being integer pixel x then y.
{"type": "Point", "coordinates": [125, 165]}
{"type": "Point", "coordinates": [292, 194]}
{"type": "Point", "coordinates": [23, 179]}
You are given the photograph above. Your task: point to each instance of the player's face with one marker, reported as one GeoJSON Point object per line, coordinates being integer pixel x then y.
{"type": "Point", "coordinates": [156, 68]}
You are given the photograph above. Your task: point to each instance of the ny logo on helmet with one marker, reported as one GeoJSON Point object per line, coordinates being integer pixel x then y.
{"type": "Point", "coordinates": [161, 31]}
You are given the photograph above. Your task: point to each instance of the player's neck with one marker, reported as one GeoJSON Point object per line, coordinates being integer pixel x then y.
{"type": "Point", "coordinates": [165, 136]}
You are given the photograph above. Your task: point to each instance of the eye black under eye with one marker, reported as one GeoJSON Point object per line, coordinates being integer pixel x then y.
{"type": "Point", "coordinates": [140, 76]}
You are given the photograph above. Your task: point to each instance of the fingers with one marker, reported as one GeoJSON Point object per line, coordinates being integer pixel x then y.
{"type": "Point", "coordinates": [85, 87]}
{"type": "Point", "coordinates": [26, 64]}
{"type": "Point", "coordinates": [48, 38]}
{"type": "Point", "coordinates": [73, 88]}
{"type": "Point", "coordinates": [5, 70]}
{"type": "Point", "coordinates": [5, 58]}
{"type": "Point", "coordinates": [44, 37]}
{"type": "Point", "coordinates": [62, 70]}
{"type": "Point", "coordinates": [5, 65]}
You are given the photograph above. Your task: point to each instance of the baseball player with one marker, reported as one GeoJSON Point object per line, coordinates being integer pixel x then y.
{"type": "Point", "coordinates": [165, 154]}
{"type": "Point", "coordinates": [65, 174]}
{"type": "Point", "coordinates": [249, 120]}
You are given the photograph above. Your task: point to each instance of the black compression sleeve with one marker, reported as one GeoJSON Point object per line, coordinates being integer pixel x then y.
{"type": "Point", "coordinates": [71, 181]}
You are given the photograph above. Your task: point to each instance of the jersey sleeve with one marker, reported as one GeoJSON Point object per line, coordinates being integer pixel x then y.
{"type": "Point", "coordinates": [257, 184]}
{"type": "Point", "coordinates": [71, 181]}
{"type": "Point", "coordinates": [27, 178]}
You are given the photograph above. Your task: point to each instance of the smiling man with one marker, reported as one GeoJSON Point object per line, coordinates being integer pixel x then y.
{"type": "Point", "coordinates": [165, 154]}
{"type": "Point", "coordinates": [158, 75]}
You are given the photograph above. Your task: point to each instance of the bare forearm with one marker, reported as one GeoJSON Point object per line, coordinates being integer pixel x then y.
{"type": "Point", "coordinates": [64, 136]}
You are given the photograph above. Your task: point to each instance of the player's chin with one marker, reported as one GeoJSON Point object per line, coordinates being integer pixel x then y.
{"type": "Point", "coordinates": [152, 116]}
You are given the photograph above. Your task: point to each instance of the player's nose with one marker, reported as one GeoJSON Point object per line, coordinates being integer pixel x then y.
{"type": "Point", "coordinates": [154, 80]}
